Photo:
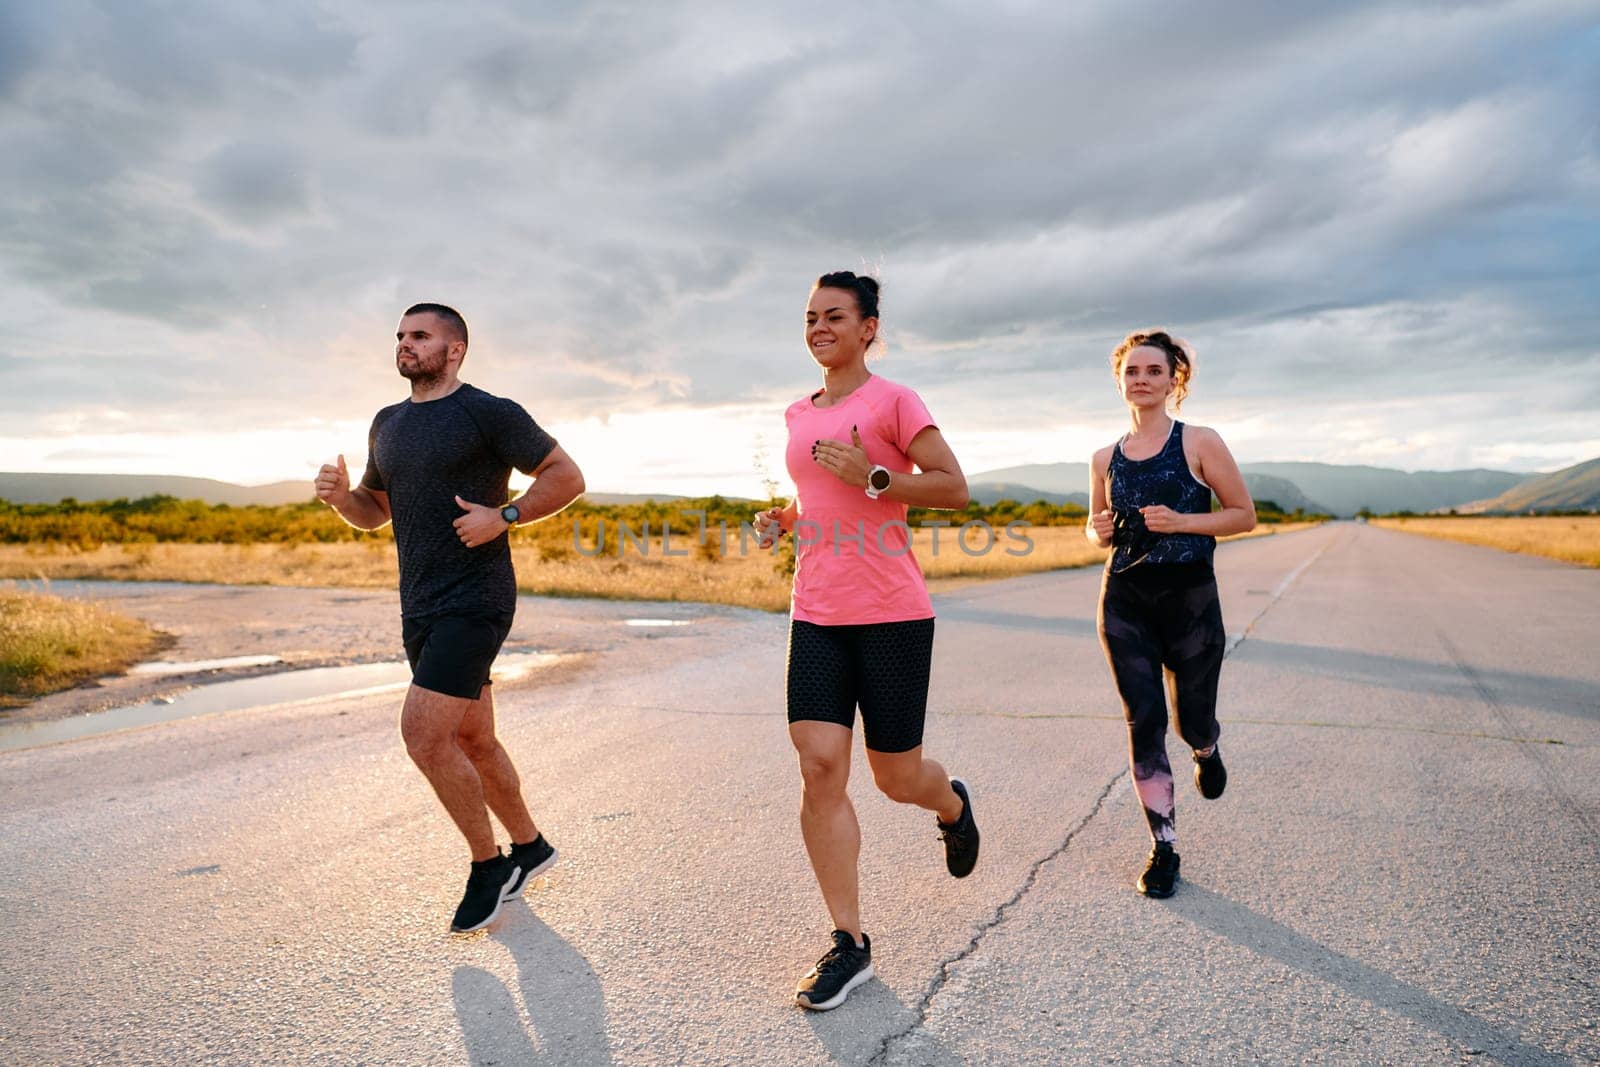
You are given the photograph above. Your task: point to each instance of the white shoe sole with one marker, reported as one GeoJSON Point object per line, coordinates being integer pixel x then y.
{"type": "Point", "coordinates": [838, 998]}
{"type": "Point", "coordinates": [493, 915]}
{"type": "Point", "coordinates": [512, 893]}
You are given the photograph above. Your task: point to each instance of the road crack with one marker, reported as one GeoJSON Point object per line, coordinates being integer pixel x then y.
{"type": "Point", "coordinates": [1565, 800]}
{"type": "Point", "coordinates": [943, 975]}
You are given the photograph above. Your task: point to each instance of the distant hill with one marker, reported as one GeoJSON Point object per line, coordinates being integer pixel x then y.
{"type": "Point", "coordinates": [1325, 487]}
{"type": "Point", "coordinates": [989, 492]}
{"type": "Point", "coordinates": [1282, 492]}
{"type": "Point", "coordinates": [51, 488]}
{"type": "Point", "coordinates": [1050, 477]}
{"type": "Point", "coordinates": [1572, 488]}
{"type": "Point", "coordinates": [1346, 490]}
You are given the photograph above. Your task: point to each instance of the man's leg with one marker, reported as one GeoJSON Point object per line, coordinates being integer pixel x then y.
{"type": "Point", "coordinates": [429, 723]}
{"type": "Point", "coordinates": [502, 787]}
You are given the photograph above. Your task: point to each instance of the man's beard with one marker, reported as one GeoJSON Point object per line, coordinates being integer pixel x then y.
{"type": "Point", "coordinates": [419, 372]}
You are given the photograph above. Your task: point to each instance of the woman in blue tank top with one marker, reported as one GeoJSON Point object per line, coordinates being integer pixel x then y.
{"type": "Point", "coordinates": [1160, 620]}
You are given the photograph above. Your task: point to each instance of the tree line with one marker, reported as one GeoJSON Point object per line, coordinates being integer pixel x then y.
{"type": "Point", "coordinates": [153, 519]}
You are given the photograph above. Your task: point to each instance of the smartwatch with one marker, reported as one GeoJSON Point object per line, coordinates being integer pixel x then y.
{"type": "Point", "coordinates": [510, 514]}
{"type": "Point", "coordinates": [877, 481]}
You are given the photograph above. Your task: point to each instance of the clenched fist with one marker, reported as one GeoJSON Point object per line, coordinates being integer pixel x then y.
{"type": "Point", "coordinates": [1158, 518]}
{"type": "Point", "coordinates": [769, 527]}
{"type": "Point", "coordinates": [333, 484]}
{"type": "Point", "coordinates": [1104, 524]}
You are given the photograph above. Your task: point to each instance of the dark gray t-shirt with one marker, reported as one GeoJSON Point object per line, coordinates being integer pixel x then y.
{"type": "Point", "coordinates": [424, 456]}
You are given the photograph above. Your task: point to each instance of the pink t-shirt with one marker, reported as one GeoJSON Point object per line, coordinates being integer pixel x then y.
{"type": "Point", "coordinates": [855, 562]}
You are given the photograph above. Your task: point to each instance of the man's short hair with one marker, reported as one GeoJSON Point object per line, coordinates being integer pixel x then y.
{"type": "Point", "coordinates": [448, 314]}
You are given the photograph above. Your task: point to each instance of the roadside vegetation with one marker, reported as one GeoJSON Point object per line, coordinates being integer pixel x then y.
{"type": "Point", "coordinates": [612, 552]}
{"type": "Point", "coordinates": [47, 643]}
{"type": "Point", "coordinates": [1571, 538]}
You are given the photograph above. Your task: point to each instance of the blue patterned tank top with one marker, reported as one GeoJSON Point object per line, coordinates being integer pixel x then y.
{"type": "Point", "coordinates": [1164, 478]}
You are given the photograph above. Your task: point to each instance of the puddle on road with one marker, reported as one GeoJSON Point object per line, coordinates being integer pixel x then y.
{"type": "Point", "coordinates": [161, 666]}
{"type": "Point", "coordinates": [289, 687]}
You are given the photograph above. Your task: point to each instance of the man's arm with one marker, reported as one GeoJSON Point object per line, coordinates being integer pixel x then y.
{"type": "Point", "coordinates": [557, 482]}
{"type": "Point", "coordinates": [363, 508]}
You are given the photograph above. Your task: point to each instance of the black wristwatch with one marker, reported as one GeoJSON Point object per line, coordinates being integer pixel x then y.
{"type": "Point", "coordinates": [510, 514]}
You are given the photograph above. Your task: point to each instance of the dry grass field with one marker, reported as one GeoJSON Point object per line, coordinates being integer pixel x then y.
{"type": "Point", "coordinates": [1575, 539]}
{"type": "Point", "coordinates": [554, 567]}
{"type": "Point", "coordinates": [47, 643]}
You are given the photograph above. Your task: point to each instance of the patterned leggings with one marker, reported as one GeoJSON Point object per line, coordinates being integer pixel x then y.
{"type": "Point", "coordinates": [1162, 632]}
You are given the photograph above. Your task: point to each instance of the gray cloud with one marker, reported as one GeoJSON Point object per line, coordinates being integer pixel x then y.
{"type": "Point", "coordinates": [25, 33]}
{"type": "Point", "coordinates": [197, 56]}
{"type": "Point", "coordinates": [631, 204]}
{"type": "Point", "coordinates": [254, 182]}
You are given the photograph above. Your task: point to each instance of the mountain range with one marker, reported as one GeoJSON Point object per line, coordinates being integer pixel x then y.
{"type": "Point", "coordinates": [1315, 487]}
{"type": "Point", "coordinates": [52, 488]}
{"type": "Point", "coordinates": [1574, 488]}
{"type": "Point", "coordinates": [1343, 490]}
{"type": "Point", "coordinates": [1059, 483]}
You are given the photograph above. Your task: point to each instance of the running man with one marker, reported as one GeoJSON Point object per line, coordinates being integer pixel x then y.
{"type": "Point", "coordinates": [438, 467]}
{"type": "Point", "coordinates": [1160, 619]}
{"type": "Point", "coordinates": [862, 627]}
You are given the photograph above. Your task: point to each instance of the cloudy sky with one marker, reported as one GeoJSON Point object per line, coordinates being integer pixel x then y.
{"type": "Point", "coordinates": [1378, 224]}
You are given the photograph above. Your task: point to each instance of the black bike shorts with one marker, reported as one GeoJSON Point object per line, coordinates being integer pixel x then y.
{"type": "Point", "coordinates": [452, 654]}
{"type": "Point", "coordinates": [881, 666]}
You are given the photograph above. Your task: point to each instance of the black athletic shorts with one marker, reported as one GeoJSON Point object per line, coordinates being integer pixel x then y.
{"type": "Point", "coordinates": [881, 666]}
{"type": "Point", "coordinates": [452, 654]}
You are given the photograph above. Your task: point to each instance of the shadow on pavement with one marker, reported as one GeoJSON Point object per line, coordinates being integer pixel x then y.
{"type": "Point", "coordinates": [853, 1033]}
{"type": "Point", "coordinates": [1576, 697]}
{"type": "Point", "coordinates": [1539, 692]}
{"type": "Point", "coordinates": [1517, 689]}
{"type": "Point", "coordinates": [1275, 941]}
{"type": "Point", "coordinates": [1078, 626]}
{"type": "Point", "coordinates": [560, 993]}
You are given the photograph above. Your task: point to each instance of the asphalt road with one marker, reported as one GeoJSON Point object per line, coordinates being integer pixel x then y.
{"type": "Point", "coordinates": [1403, 870]}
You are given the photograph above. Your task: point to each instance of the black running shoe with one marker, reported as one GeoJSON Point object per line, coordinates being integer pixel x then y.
{"type": "Point", "coordinates": [1210, 776]}
{"type": "Point", "coordinates": [1160, 878]}
{"type": "Point", "coordinates": [534, 859]}
{"type": "Point", "coordinates": [960, 837]}
{"type": "Point", "coordinates": [841, 969]}
{"type": "Point", "coordinates": [486, 888]}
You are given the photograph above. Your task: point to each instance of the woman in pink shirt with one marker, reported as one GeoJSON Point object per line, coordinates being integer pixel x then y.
{"type": "Point", "coordinates": [862, 626]}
